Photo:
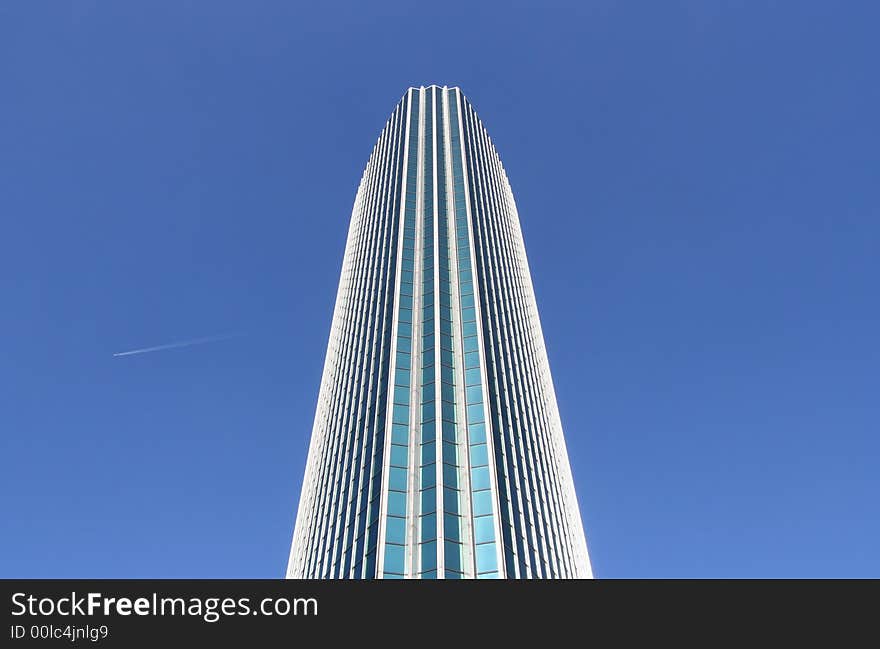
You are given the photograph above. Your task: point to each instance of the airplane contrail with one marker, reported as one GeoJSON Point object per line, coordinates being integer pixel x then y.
{"type": "Point", "coordinates": [182, 343]}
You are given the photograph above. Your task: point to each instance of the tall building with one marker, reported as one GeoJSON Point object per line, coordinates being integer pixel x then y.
{"type": "Point", "coordinates": [437, 449]}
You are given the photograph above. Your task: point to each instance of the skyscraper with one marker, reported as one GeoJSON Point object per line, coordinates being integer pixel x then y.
{"type": "Point", "coordinates": [437, 449]}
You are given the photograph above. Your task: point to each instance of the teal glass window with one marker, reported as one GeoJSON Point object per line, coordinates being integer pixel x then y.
{"type": "Point", "coordinates": [475, 412]}
{"type": "Point", "coordinates": [396, 503]}
{"type": "Point", "coordinates": [429, 453]}
{"type": "Point", "coordinates": [480, 478]}
{"type": "Point", "coordinates": [486, 558]}
{"type": "Point", "coordinates": [399, 455]}
{"type": "Point", "coordinates": [429, 527]}
{"type": "Point", "coordinates": [450, 500]}
{"type": "Point", "coordinates": [452, 555]}
{"type": "Point", "coordinates": [429, 476]}
{"type": "Point", "coordinates": [429, 558]}
{"type": "Point", "coordinates": [399, 434]}
{"type": "Point", "coordinates": [477, 433]}
{"type": "Point", "coordinates": [479, 455]}
{"type": "Point", "coordinates": [401, 414]}
{"type": "Point", "coordinates": [395, 530]}
{"type": "Point", "coordinates": [394, 559]}
{"type": "Point", "coordinates": [484, 529]}
{"type": "Point", "coordinates": [429, 500]}
{"type": "Point", "coordinates": [450, 476]}
{"type": "Point", "coordinates": [452, 527]}
{"type": "Point", "coordinates": [398, 479]}
{"type": "Point", "coordinates": [450, 454]}
{"type": "Point", "coordinates": [482, 503]}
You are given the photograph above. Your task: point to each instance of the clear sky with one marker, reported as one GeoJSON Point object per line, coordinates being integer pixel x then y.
{"type": "Point", "coordinates": [699, 189]}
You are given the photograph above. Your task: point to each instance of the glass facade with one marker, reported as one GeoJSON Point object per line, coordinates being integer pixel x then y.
{"type": "Point", "coordinates": [437, 450]}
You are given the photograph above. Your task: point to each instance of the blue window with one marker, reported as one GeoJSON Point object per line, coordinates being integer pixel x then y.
{"type": "Point", "coordinates": [401, 414]}
{"type": "Point", "coordinates": [394, 559]}
{"type": "Point", "coordinates": [482, 503]}
{"type": "Point", "coordinates": [450, 454]}
{"type": "Point", "coordinates": [486, 558]}
{"type": "Point", "coordinates": [397, 503]}
{"type": "Point", "coordinates": [479, 455]}
{"type": "Point", "coordinates": [477, 433]}
{"type": "Point", "coordinates": [429, 500]}
{"type": "Point", "coordinates": [480, 478]}
{"type": "Point", "coordinates": [429, 476]}
{"type": "Point", "coordinates": [429, 453]}
{"type": "Point", "coordinates": [429, 558]}
{"type": "Point", "coordinates": [453, 555]}
{"type": "Point", "coordinates": [475, 412]}
{"type": "Point", "coordinates": [398, 478]}
{"type": "Point", "coordinates": [399, 455]}
{"type": "Point", "coordinates": [450, 476]}
{"type": "Point", "coordinates": [395, 530]}
{"type": "Point", "coordinates": [450, 500]}
{"type": "Point", "coordinates": [484, 529]}
{"type": "Point", "coordinates": [399, 433]}
{"type": "Point", "coordinates": [452, 527]}
{"type": "Point", "coordinates": [429, 527]}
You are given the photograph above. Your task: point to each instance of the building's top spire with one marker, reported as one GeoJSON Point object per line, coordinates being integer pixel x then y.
{"type": "Point", "coordinates": [434, 85]}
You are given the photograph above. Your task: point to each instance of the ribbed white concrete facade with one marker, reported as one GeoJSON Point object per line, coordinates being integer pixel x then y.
{"type": "Point", "coordinates": [437, 449]}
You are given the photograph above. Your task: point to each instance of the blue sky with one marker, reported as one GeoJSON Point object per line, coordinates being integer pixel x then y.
{"type": "Point", "coordinates": [699, 189]}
